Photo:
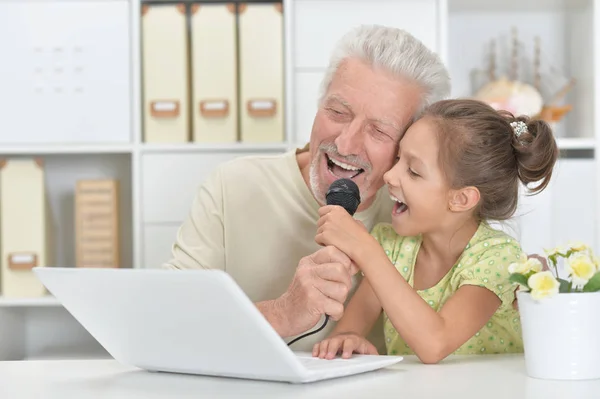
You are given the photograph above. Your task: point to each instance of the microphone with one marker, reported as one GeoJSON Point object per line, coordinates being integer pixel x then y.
{"type": "Point", "coordinates": [343, 192]}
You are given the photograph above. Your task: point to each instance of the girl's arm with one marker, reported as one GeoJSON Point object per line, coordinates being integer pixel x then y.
{"type": "Point", "coordinates": [431, 335]}
{"type": "Point", "coordinates": [361, 313]}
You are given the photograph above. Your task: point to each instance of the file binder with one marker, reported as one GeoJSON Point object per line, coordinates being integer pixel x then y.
{"type": "Point", "coordinates": [165, 73]}
{"type": "Point", "coordinates": [261, 72]}
{"type": "Point", "coordinates": [24, 227]}
{"type": "Point", "coordinates": [214, 72]}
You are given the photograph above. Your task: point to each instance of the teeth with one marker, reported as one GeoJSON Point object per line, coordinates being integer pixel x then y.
{"type": "Point", "coordinates": [395, 199]}
{"type": "Point", "coordinates": [344, 165]}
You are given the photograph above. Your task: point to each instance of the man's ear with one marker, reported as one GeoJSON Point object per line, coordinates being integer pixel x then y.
{"type": "Point", "coordinates": [464, 199]}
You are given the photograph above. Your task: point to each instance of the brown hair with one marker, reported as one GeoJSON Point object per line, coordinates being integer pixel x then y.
{"type": "Point", "coordinates": [479, 147]}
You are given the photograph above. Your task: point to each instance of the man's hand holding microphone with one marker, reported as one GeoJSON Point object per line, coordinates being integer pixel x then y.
{"type": "Point", "coordinates": [322, 280]}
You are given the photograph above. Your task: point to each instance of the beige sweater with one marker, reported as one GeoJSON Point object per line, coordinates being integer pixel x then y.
{"type": "Point", "coordinates": [256, 218]}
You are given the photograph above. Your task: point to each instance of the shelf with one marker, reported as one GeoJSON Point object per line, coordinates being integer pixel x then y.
{"type": "Point", "coordinates": [576, 143]}
{"type": "Point", "coordinates": [514, 5]}
{"type": "Point", "coordinates": [213, 147]}
{"type": "Point", "coordinates": [67, 149]}
{"type": "Point", "coordinates": [46, 301]}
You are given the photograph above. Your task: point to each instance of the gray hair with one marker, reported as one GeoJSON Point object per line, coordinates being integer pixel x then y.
{"type": "Point", "coordinates": [396, 51]}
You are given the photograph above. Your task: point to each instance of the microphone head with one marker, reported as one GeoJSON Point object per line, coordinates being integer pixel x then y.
{"type": "Point", "coordinates": [345, 193]}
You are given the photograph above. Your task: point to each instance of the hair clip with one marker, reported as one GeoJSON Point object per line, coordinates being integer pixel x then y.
{"type": "Point", "coordinates": [519, 127]}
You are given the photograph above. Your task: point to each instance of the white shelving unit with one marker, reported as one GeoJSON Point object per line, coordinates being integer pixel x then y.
{"type": "Point", "coordinates": [568, 42]}
{"type": "Point", "coordinates": [158, 181]}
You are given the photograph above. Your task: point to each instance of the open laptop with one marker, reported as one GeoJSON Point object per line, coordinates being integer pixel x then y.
{"type": "Point", "coordinates": [188, 321]}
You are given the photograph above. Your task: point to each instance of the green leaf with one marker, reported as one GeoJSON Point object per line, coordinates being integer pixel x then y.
{"type": "Point", "coordinates": [519, 279]}
{"type": "Point", "coordinates": [565, 285]}
{"type": "Point", "coordinates": [593, 284]}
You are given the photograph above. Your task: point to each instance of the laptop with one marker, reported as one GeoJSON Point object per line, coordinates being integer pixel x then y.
{"type": "Point", "coordinates": [188, 321]}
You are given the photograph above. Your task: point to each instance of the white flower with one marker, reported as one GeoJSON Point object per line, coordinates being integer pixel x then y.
{"type": "Point", "coordinates": [543, 285]}
{"type": "Point", "coordinates": [525, 267]}
{"type": "Point", "coordinates": [557, 251]}
{"type": "Point", "coordinates": [581, 268]}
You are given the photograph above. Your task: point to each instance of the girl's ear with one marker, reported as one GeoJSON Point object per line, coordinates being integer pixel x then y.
{"type": "Point", "coordinates": [463, 199]}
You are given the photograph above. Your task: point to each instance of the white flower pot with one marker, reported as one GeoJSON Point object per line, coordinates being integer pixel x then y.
{"type": "Point", "coordinates": [561, 335]}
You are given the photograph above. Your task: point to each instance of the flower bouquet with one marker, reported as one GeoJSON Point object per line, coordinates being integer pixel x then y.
{"type": "Point", "coordinates": [560, 310]}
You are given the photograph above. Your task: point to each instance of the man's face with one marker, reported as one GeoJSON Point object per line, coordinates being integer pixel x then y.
{"type": "Point", "coordinates": [358, 126]}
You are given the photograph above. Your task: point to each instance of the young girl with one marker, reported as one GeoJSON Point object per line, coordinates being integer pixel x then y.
{"type": "Point", "coordinates": [439, 272]}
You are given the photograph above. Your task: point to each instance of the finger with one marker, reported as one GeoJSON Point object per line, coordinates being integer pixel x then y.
{"type": "Point", "coordinates": [368, 348]}
{"type": "Point", "coordinates": [335, 272]}
{"type": "Point", "coordinates": [323, 348]}
{"type": "Point", "coordinates": [334, 309]}
{"type": "Point", "coordinates": [334, 347]}
{"type": "Point", "coordinates": [330, 254]}
{"type": "Point", "coordinates": [322, 220]}
{"type": "Point", "coordinates": [332, 289]}
{"type": "Point", "coordinates": [315, 350]}
{"type": "Point", "coordinates": [349, 347]}
{"type": "Point", "coordinates": [319, 239]}
{"type": "Point", "coordinates": [353, 269]}
{"type": "Point", "coordinates": [324, 210]}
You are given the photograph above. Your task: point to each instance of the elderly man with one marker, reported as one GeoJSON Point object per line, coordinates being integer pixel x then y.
{"type": "Point", "coordinates": [256, 217]}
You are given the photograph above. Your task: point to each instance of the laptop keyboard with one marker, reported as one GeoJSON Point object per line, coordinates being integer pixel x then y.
{"type": "Point", "coordinates": [314, 363]}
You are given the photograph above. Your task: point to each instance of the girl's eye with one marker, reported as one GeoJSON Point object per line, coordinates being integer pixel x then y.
{"type": "Point", "coordinates": [412, 172]}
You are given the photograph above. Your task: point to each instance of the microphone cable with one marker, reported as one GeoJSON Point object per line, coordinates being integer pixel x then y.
{"type": "Point", "coordinates": [311, 332]}
{"type": "Point", "coordinates": [345, 193]}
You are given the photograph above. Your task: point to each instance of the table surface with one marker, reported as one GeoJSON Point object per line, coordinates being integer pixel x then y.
{"type": "Point", "coordinates": [464, 377]}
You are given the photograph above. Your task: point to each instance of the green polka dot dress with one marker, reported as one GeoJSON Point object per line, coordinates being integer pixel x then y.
{"type": "Point", "coordinates": [483, 263]}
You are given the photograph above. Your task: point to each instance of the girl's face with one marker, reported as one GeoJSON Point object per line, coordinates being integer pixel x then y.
{"type": "Point", "coordinates": [417, 184]}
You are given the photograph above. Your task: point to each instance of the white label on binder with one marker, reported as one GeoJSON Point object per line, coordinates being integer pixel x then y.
{"type": "Point", "coordinates": [261, 105]}
{"type": "Point", "coordinates": [215, 105]}
{"type": "Point", "coordinates": [18, 259]}
{"type": "Point", "coordinates": [165, 106]}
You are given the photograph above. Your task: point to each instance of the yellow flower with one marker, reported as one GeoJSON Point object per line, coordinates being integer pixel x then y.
{"type": "Point", "coordinates": [596, 262]}
{"type": "Point", "coordinates": [581, 268]}
{"type": "Point", "coordinates": [524, 267]}
{"type": "Point", "coordinates": [543, 285]}
{"type": "Point", "coordinates": [578, 246]}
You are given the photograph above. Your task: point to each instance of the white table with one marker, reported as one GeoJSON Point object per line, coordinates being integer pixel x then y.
{"type": "Point", "coordinates": [485, 377]}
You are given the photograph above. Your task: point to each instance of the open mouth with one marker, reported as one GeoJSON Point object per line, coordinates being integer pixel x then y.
{"type": "Point", "coordinates": [399, 206]}
{"type": "Point", "coordinates": [341, 169]}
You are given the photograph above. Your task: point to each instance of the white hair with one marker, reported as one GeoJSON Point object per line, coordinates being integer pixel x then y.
{"type": "Point", "coordinates": [397, 52]}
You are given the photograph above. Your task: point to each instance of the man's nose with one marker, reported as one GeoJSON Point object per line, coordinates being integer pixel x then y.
{"type": "Point", "coordinates": [351, 139]}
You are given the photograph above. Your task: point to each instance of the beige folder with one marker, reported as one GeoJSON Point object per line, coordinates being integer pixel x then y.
{"type": "Point", "coordinates": [97, 223]}
{"type": "Point", "coordinates": [261, 72]}
{"type": "Point", "coordinates": [214, 72]}
{"type": "Point", "coordinates": [165, 73]}
{"type": "Point", "coordinates": [24, 227]}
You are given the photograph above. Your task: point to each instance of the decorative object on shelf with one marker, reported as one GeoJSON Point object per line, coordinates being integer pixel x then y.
{"type": "Point", "coordinates": [559, 313]}
{"type": "Point", "coordinates": [97, 223]}
{"type": "Point", "coordinates": [24, 227]}
{"type": "Point", "coordinates": [537, 95]}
